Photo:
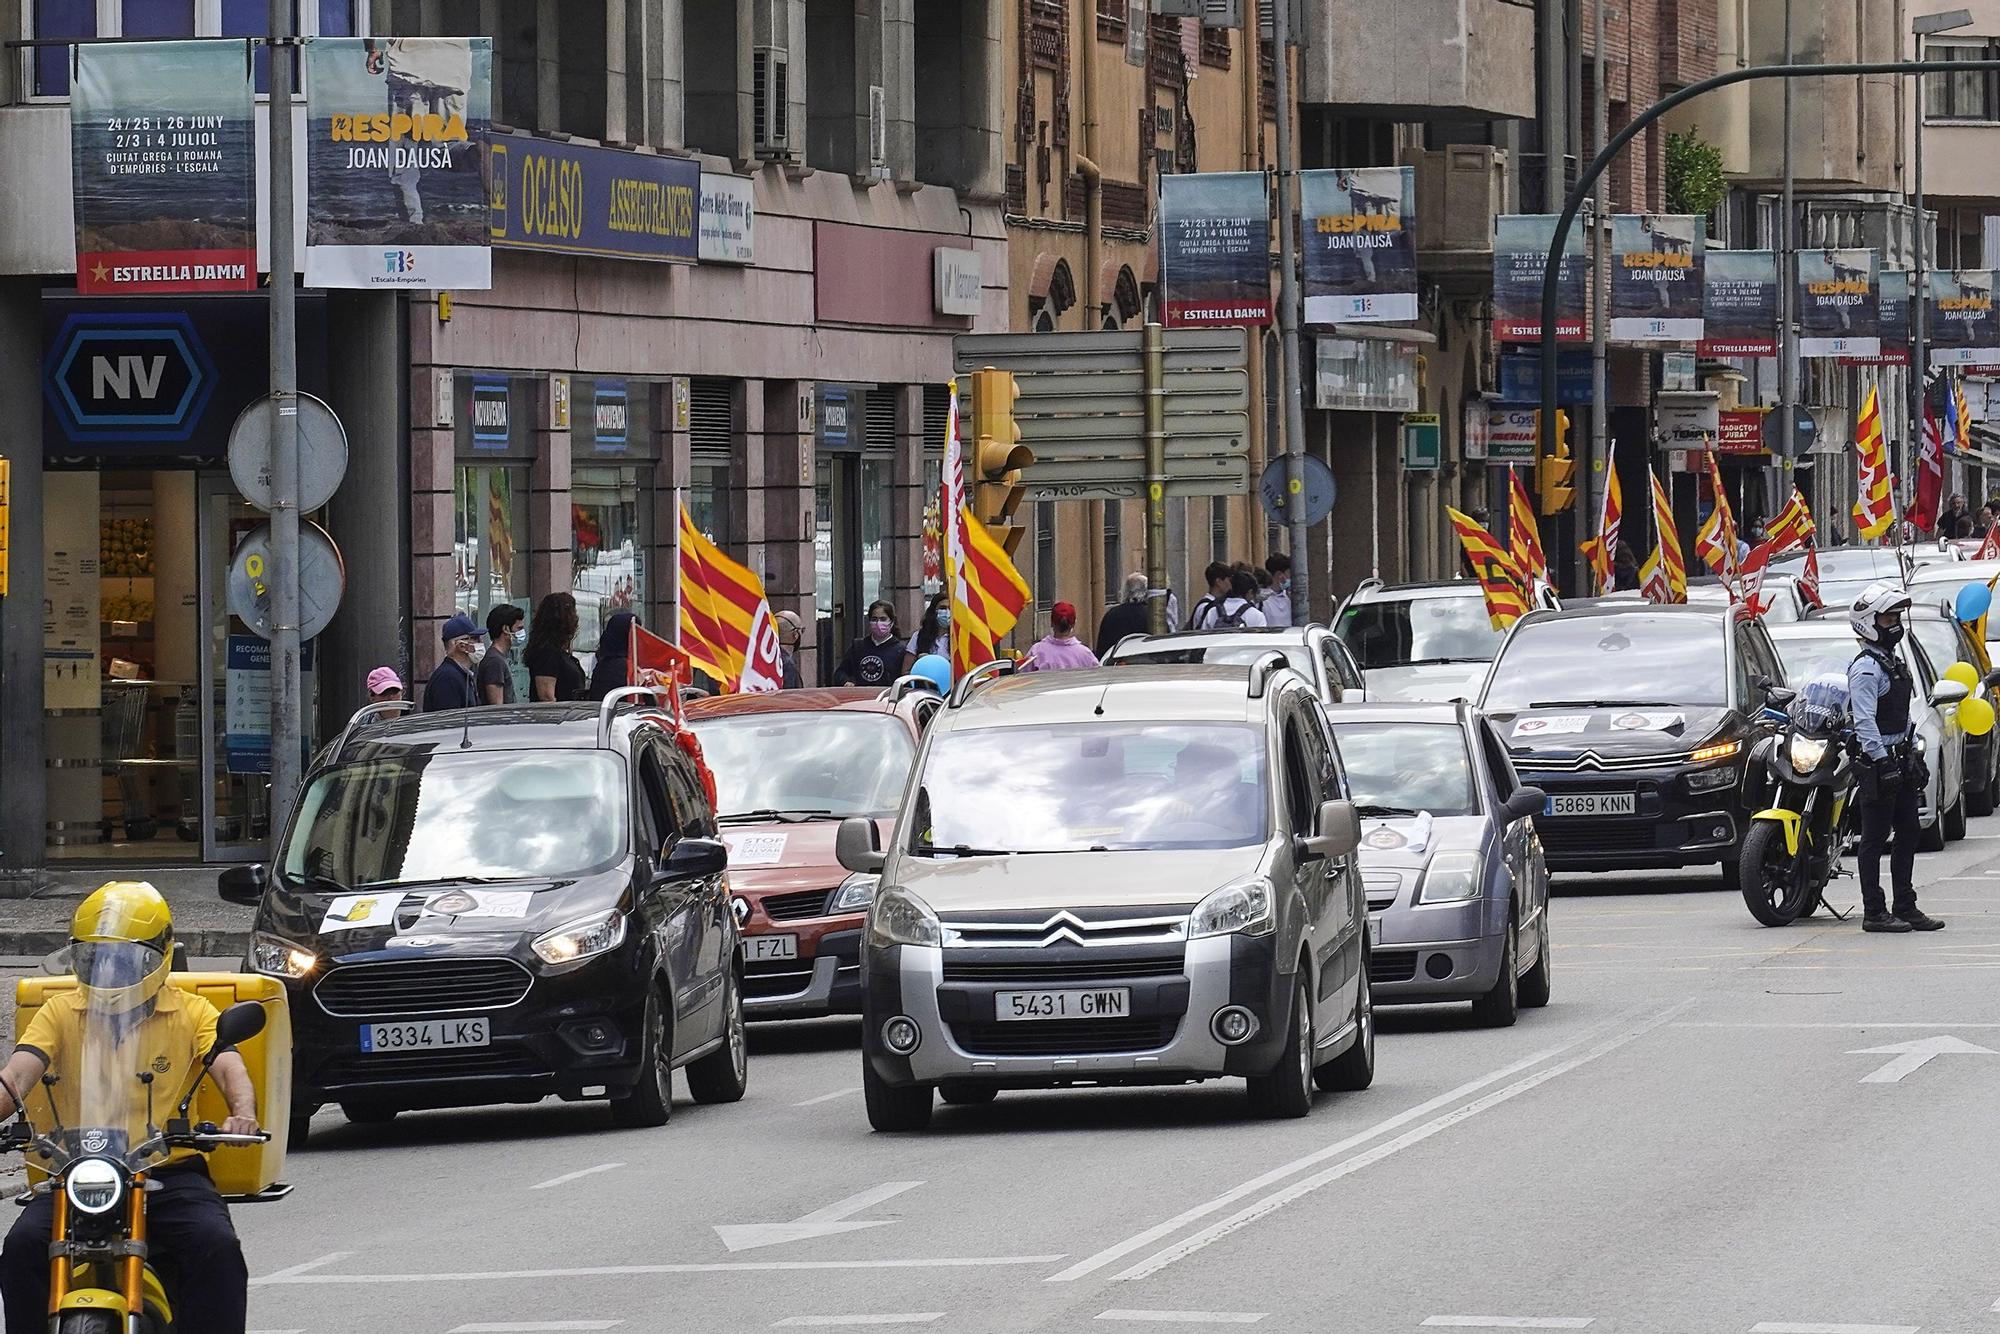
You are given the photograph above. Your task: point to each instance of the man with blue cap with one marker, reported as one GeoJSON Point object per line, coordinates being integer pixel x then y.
{"type": "Point", "coordinates": [453, 684]}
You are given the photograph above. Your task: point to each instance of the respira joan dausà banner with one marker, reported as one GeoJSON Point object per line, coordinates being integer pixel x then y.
{"type": "Point", "coordinates": [1963, 327]}
{"type": "Point", "coordinates": [1656, 278]}
{"type": "Point", "coordinates": [1839, 311]}
{"type": "Point", "coordinates": [1520, 257]}
{"type": "Point", "coordinates": [395, 196]}
{"type": "Point", "coordinates": [163, 168]}
{"type": "Point", "coordinates": [1892, 304]}
{"type": "Point", "coordinates": [1215, 248]}
{"type": "Point", "coordinates": [1739, 303]}
{"type": "Point", "coordinates": [1360, 247]}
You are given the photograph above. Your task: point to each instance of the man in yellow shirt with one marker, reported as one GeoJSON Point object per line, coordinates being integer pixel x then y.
{"type": "Point", "coordinates": [121, 1019]}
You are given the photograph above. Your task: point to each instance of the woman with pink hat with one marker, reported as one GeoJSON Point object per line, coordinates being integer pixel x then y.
{"type": "Point", "coordinates": [384, 685]}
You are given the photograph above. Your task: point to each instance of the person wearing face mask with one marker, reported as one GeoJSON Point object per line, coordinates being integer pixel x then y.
{"type": "Point", "coordinates": [495, 674]}
{"type": "Point", "coordinates": [1892, 771]}
{"type": "Point", "coordinates": [873, 659]}
{"type": "Point", "coordinates": [1277, 606]}
{"type": "Point", "coordinates": [933, 634]}
{"type": "Point", "coordinates": [453, 685]}
{"type": "Point", "coordinates": [612, 668]}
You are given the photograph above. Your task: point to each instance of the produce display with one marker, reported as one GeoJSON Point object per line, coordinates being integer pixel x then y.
{"type": "Point", "coordinates": [124, 607]}
{"type": "Point", "coordinates": [125, 547]}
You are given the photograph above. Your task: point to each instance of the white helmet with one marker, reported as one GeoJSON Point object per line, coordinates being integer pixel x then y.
{"type": "Point", "coordinates": [1878, 599]}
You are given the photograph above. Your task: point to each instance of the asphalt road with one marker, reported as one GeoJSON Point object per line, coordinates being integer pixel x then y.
{"type": "Point", "coordinates": [1700, 1133]}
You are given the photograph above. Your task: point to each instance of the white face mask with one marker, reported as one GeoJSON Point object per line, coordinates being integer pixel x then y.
{"type": "Point", "coordinates": [478, 652]}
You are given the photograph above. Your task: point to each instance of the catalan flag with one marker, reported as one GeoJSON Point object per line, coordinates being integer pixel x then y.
{"type": "Point", "coordinates": [1957, 440]}
{"type": "Point", "coordinates": [1715, 541]}
{"type": "Point", "coordinates": [1499, 578]}
{"type": "Point", "coordinates": [1874, 508]}
{"type": "Point", "coordinates": [727, 628]}
{"type": "Point", "coordinates": [1663, 578]}
{"type": "Point", "coordinates": [987, 592]}
{"type": "Point", "coordinates": [1524, 538]}
{"type": "Point", "coordinates": [1602, 551]}
{"type": "Point", "coordinates": [1793, 525]}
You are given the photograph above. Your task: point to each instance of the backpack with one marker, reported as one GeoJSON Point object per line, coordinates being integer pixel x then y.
{"type": "Point", "coordinates": [1229, 620]}
{"type": "Point", "coordinates": [1201, 607]}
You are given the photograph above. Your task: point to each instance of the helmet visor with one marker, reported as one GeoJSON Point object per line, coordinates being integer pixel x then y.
{"type": "Point", "coordinates": [113, 965]}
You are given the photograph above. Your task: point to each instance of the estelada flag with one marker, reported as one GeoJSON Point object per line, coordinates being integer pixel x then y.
{"type": "Point", "coordinates": [1524, 538]}
{"type": "Point", "coordinates": [727, 628]}
{"type": "Point", "coordinates": [1793, 525]}
{"type": "Point", "coordinates": [1602, 551]}
{"type": "Point", "coordinates": [1874, 510]}
{"type": "Point", "coordinates": [1664, 576]}
{"type": "Point", "coordinates": [1500, 580]}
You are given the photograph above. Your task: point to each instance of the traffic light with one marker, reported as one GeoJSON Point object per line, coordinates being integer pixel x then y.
{"type": "Point", "coordinates": [1555, 470]}
{"type": "Point", "coordinates": [997, 456]}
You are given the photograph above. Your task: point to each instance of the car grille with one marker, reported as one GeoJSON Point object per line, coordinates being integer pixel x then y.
{"type": "Point", "coordinates": [1590, 761]}
{"type": "Point", "coordinates": [1392, 965]}
{"type": "Point", "coordinates": [794, 906]}
{"type": "Point", "coordinates": [768, 979]}
{"type": "Point", "coordinates": [1382, 888]}
{"type": "Point", "coordinates": [1034, 968]}
{"type": "Point", "coordinates": [1066, 1037]}
{"type": "Point", "coordinates": [405, 1066]}
{"type": "Point", "coordinates": [422, 986]}
{"type": "Point", "coordinates": [1594, 834]}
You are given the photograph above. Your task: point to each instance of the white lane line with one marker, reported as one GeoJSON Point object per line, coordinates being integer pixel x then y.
{"type": "Point", "coordinates": [821, 1321]}
{"type": "Point", "coordinates": [531, 1326]}
{"type": "Point", "coordinates": [330, 1258]}
{"type": "Point", "coordinates": [1277, 1199]}
{"type": "Point", "coordinates": [568, 1177]}
{"type": "Point", "coordinates": [1188, 1317]}
{"type": "Point", "coordinates": [827, 1097]}
{"type": "Point", "coordinates": [620, 1271]}
{"type": "Point", "coordinates": [1297, 1165]}
{"type": "Point", "coordinates": [1789, 1327]}
{"type": "Point", "coordinates": [1975, 1023]}
{"type": "Point", "coordinates": [1510, 1321]}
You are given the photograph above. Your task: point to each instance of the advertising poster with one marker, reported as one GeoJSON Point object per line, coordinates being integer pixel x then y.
{"type": "Point", "coordinates": [1520, 255]}
{"type": "Point", "coordinates": [162, 164]}
{"type": "Point", "coordinates": [1838, 314]}
{"type": "Point", "coordinates": [577, 199]}
{"type": "Point", "coordinates": [1215, 249]}
{"type": "Point", "coordinates": [1656, 278]}
{"type": "Point", "coordinates": [1739, 303]}
{"type": "Point", "coordinates": [1892, 302]}
{"type": "Point", "coordinates": [70, 592]}
{"type": "Point", "coordinates": [1360, 246]}
{"type": "Point", "coordinates": [395, 194]}
{"type": "Point", "coordinates": [1962, 328]}
{"type": "Point", "coordinates": [728, 219]}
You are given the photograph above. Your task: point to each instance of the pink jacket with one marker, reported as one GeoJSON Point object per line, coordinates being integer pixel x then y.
{"type": "Point", "coordinates": [1054, 653]}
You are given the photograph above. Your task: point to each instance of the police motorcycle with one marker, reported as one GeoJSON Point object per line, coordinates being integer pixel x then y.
{"type": "Point", "coordinates": [1804, 776]}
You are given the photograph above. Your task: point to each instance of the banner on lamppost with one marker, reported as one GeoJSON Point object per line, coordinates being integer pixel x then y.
{"type": "Point", "coordinates": [1892, 302]}
{"type": "Point", "coordinates": [1520, 256]}
{"type": "Point", "coordinates": [1837, 304]}
{"type": "Point", "coordinates": [1961, 327]}
{"type": "Point", "coordinates": [1360, 245]}
{"type": "Point", "coordinates": [395, 192]}
{"type": "Point", "coordinates": [1739, 303]}
{"type": "Point", "coordinates": [1656, 278]}
{"type": "Point", "coordinates": [1215, 248]}
{"type": "Point", "coordinates": [163, 168]}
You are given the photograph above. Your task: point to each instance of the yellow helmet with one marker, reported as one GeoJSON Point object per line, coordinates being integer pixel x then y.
{"type": "Point", "coordinates": [122, 945]}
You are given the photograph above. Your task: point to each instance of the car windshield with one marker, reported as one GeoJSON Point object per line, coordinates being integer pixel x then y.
{"type": "Point", "coordinates": [1092, 787]}
{"type": "Point", "coordinates": [1297, 656]}
{"type": "Point", "coordinates": [1439, 629]}
{"type": "Point", "coordinates": [1808, 656]}
{"type": "Point", "coordinates": [1404, 768]}
{"type": "Point", "coordinates": [460, 815]}
{"type": "Point", "coordinates": [818, 762]}
{"type": "Point", "coordinates": [1629, 658]}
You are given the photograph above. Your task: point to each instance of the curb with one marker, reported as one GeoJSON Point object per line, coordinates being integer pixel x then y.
{"type": "Point", "coordinates": [200, 943]}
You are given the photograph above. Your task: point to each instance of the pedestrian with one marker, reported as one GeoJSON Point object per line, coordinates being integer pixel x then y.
{"type": "Point", "coordinates": [611, 668]}
{"type": "Point", "coordinates": [1278, 602]}
{"type": "Point", "coordinates": [496, 669]}
{"type": "Point", "coordinates": [452, 685]}
{"type": "Point", "coordinates": [790, 631]}
{"type": "Point", "coordinates": [1238, 608]}
{"type": "Point", "coordinates": [933, 633]}
{"type": "Point", "coordinates": [1982, 523]}
{"type": "Point", "coordinates": [1624, 569]}
{"type": "Point", "coordinates": [384, 686]}
{"type": "Point", "coordinates": [553, 671]}
{"type": "Point", "coordinates": [1892, 772]}
{"type": "Point", "coordinates": [1217, 576]}
{"type": "Point", "coordinates": [1955, 521]}
{"type": "Point", "coordinates": [1060, 650]}
{"type": "Point", "coordinates": [1130, 617]}
{"type": "Point", "coordinates": [877, 657]}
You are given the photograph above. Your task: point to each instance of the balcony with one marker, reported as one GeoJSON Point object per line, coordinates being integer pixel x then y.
{"type": "Point", "coordinates": [1460, 190]}
{"type": "Point", "coordinates": [1422, 59]}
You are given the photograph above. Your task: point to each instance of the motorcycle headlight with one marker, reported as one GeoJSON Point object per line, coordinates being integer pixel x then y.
{"type": "Point", "coordinates": [1452, 877]}
{"type": "Point", "coordinates": [898, 917]}
{"type": "Point", "coordinates": [94, 1186]}
{"type": "Point", "coordinates": [1243, 908]}
{"type": "Point", "coordinates": [855, 893]}
{"type": "Point", "coordinates": [583, 939]}
{"type": "Point", "coordinates": [1805, 752]}
{"type": "Point", "coordinates": [281, 958]}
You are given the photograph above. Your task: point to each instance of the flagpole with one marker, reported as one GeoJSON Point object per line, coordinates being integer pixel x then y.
{"type": "Point", "coordinates": [680, 608]}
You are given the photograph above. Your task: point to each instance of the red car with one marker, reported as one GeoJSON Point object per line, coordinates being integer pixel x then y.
{"type": "Point", "coordinates": [789, 767]}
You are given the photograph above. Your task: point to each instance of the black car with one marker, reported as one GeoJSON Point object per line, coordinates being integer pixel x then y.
{"type": "Point", "coordinates": [495, 905]}
{"type": "Point", "coordinates": [1636, 720]}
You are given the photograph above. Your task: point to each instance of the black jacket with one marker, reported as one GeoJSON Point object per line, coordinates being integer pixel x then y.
{"type": "Point", "coordinates": [1127, 618]}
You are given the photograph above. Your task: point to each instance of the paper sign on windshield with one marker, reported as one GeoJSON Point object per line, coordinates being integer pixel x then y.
{"type": "Point", "coordinates": [1561, 724]}
{"type": "Point", "coordinates": [351, 912]}
{"type": "Point", "coordinates": [755, 849]}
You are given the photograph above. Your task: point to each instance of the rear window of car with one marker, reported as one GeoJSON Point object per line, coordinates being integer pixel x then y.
{"type": "Point", "coordinates": [1631, 658]}
{"type": "Point", "coordinates": [1224, 655]}
{"type": "Point", "coordinates": [1402, 632]}
{"type": "Point", "coordinates": [808, 762]}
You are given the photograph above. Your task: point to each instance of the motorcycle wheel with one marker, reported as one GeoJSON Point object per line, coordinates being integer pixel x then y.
{"type": "Point", "coordinates": [88, 1322]}
{"type": "Point", "coordinates": [1765, 873]}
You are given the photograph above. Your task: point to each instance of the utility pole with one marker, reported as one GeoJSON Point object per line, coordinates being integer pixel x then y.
{"type": "Point", "coordinates": [1288, 316]}
{"type": "Point", "coordinates": [1600, 411]}
{"type": "Point", "coordinates": [1788, 286]}
{"type": "Point", "coordinates": [287, 740]}
{"type": "Point", "coordinates": [1922, 26]}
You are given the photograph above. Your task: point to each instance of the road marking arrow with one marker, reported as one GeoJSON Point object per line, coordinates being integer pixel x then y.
{"type": "Point", "coordinates": [826, 1222]}
{"type": "Point", "coordinates": [1913, 1055]}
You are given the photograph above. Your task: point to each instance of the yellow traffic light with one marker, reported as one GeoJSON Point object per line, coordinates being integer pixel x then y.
{"type": "Point", "coordinates": [997, 457]}
{"type": "Point", "coordinates": [1555, 470]}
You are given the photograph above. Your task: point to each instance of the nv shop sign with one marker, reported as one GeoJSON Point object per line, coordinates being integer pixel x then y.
{"type": "Point", "coordinates": [118, 378]}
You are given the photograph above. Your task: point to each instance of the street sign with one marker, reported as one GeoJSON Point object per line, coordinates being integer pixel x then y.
{"type": "Point", "coordinates": [1082, 410]}
{"type": "Point", "coordinates": [1804, 432]}
{"type": "Point", "coordinates": [322, 452]}
{"type": "Point", "coordinates": [1275, 489]}
{"type": "Point", "coordinates": [322, 579]}
{"type": "Point", "coordinates": [1423, 447]}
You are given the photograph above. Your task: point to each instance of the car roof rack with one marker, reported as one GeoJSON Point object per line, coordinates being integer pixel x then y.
{"type": "Point", "coordinates": [904, 685]}
{"type": "Point", "coordinates": [608, 710]}
{"type": "Point", "coordinates": [978, 677]}
{"type": "Point", "coordinates": [1123, 640]}
{"type": "Point", "coordinates": [1263, 669]}
{"type": "Point", "coordinates": [382, 708]}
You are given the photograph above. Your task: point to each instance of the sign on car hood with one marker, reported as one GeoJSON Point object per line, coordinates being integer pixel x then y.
{"type": "Point", "coordinates": [957, 886]}
{"type": "Point", "coordinates": [1636, 730]}
{"type": "Point", "coordinates": [775, 857]}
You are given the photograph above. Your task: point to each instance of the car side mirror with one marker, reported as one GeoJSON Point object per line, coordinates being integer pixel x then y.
{"type": "Point", "coordinates": [244, 884]}
{"type": "Point", "coordinates": [1526, 801]}
{"type": "Point", "coordinates": [1991, 680]}
{"type": "Point", "coordinates": [1339, 830]}
{"type": "Point", "coordinates": [236, 1026]}
{"type": "Point", "coordinates": [695, 859]}
{"type": "Point", "coordinates": [1948, 692]}
{"type": "Point", "coordinates": [858, 846]}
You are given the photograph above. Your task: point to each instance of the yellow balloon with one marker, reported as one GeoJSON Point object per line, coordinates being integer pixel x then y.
{"type": "Point", "coordinates": [1964, 673]}
{"type": "Point", "coordinates": [1975, 716]}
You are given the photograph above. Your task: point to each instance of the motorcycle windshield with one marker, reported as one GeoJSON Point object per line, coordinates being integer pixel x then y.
{"type": "Point", "coordinates": [106, 1072]}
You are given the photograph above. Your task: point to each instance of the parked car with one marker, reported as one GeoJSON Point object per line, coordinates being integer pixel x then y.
{"type": "Point", "coordinates": [1310, 650]}
{"type": "Point", "coordinates": [1143, 875]}
{"type": "Point", "coordinates": [1457, 889]}
{"type": "Point", "coordinates": [1421, 641]}
{"type": "Point", "coordinates": [1946, 641]}
{"type": "Point", "coordinates": [1939, 584]}
{"type": "Point", "coordinates": [1845, 571]}
{"type": "Point", "coordinates": [1637, 720]}
{"type": "Point", "coordinates": [789, 766]}
{"type": "Point", "coordinates": [495, 905]}
{"type": "Point", "coordinates": [1780, 599]}
{"type": "Point", "coordinates": [1950, 551]}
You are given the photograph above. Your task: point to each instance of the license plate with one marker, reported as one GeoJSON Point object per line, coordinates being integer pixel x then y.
{"type": "Point", "coordinates": [427, 1035]}
{"type": "Point", "coordinates": [757, 948]}
{"type": "Point", "coordinates": [1593, 803]}
{"type": "Point", "coordinates": [1115, 1003]}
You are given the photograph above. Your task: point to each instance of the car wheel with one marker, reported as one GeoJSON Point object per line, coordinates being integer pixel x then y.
{"type": "Point", "coordinates": [1954, 820]}
{"type": "Point", "coordinates": [298, 1130]}
{"type": "Point", "coordinates": [1499, 1007]}
{"type": "Point", "coordinates": [1287, 1092]}
{"type": "Point", "coordinates": [1534, 990]}
{"type": "Point", "coordinates": [1931, 839]}
{"type": "Point", "coordinates": [964, 1093]}
{"type": "Point", "coordinates": [1354, 1069]}
{"type": "Point", "coordinates": [723, 1074]}
{"type": "Point", "coordinates": [365, 1114]}
{"type": "Point", "coordinates": [893, 1108]}
{"type": "Point", "coordinates": [651, 1101]}
{"type": "Point", "coordinates": [1982, 800]}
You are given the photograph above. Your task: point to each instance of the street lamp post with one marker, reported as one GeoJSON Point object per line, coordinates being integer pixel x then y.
{"type": "Point", "coordinates": [1922, 26]}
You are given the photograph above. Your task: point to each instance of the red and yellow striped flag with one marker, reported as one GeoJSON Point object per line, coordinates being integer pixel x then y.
{"type": "Point", "coordinates": [987, 592]}
{"type": "Point", "coordinates": [1602, 551]}
{"type": "Point", "coordinates": [727, 628]}
{"type": "Point", "coordinates": [1716, 540]}
{"type": "Point", "coordinates": [1499, 578]}
{"type": "Point", "coordinates": [1793, 525]}
{"type": "Point", "coordinates": [1524, 537]}
{"type": "Point", "coordinates": [1874, 510]}
{"type": "Point", "coordinates": [1663, 578]}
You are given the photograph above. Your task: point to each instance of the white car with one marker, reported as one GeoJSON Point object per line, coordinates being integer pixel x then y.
{"type": "Point", "coordinates": [1783, 601]}
{"type": "Point", "coordinates": [1429, 641]}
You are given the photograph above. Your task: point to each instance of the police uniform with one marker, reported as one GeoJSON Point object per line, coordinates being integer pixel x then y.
{"type": "Point", "coordinates": [1892, 775]}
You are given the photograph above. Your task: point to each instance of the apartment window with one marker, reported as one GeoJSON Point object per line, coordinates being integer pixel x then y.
{"type": "Point", "coordinates": [54, 19]}
{"type": "Point", "coordinates": [1114, 552]}
{"type": "Point", "coordinates": [1215, 47]}
{"type": "Point", "coordinates": [1972, 95]}
{"type": "Point", "coordinates": [1111, 15]}
{"type": "Point", "coordinates": [73, 19]}
{"type": "Point", "coordinates": [1045, 554]}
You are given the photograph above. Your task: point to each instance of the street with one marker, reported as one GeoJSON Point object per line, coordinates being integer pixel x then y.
{"type": "Point", "coordinates": [1712, 1127]}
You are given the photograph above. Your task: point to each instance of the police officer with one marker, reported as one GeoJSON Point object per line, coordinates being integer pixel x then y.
{"type": "Point", "coordinates": [1892, 772]}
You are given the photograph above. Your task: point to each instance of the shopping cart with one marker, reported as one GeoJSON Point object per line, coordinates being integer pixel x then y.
{"type": "Point", "coordinates": [124, 715]}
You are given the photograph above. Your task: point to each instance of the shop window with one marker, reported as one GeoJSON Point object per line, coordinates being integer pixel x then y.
{"type": "Point", "coordinates": [489, 535]}
{"type": "Point", "coordinates": [609, 538]}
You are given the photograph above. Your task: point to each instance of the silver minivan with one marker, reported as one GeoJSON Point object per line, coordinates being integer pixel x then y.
{"type": "Point", "coordinates": [1141, 875]}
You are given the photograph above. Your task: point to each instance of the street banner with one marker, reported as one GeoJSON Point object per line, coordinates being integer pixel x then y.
{"type": "Point", "coordinates": [1892, 302]}
{"type": "Point", "coordinates": [1656, 278]}
{"type": "Point", "coordinates": [1360, 245]}
{"type": "Point", "coordinates": [578, 199]}
{"type": "Point", "coordinates": [1739, 304]}
{"type": "Point", "coordinates": [1215, 248]}
{"type": "Point", "coordinates": [1520, 255]}
{"type": "Point", "coordinates": [1962, 328]}
{"type": "Point", "coordinates": [395, 192]}
{"type": "Point", "coordinates": [163, 168]}
{"type": "Point", "coordinates": [1837, 311]}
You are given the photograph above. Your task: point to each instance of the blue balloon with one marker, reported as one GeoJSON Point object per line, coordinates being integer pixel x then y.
{"type": "Point", "coordinates": [1973, 601]}
{"type": "Point", "coordinates": [936, 668]}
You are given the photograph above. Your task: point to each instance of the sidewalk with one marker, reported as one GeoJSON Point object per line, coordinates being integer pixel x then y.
{"type": "Point", "coordinates": [33, 927]}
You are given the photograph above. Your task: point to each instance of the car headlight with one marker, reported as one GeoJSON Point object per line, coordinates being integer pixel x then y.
{"type": "Point", "coordinates": [898, 917]}
{"type": "Point", "coordinates": [1707, 780]}
{"type": "Point", "coordinates": [582, 939]}
{"type": "Point", "coordinates": [855, 893]}
{"type": "Point", "coordinates": [1805, 752]}
{"type": "Point", "coordinates": [1452, 877]}
{"type": "Point", "coordinates": [1242, 908]}
{"type": "Point", "coordinates": [281, 958]}
{"type": "Point", "coordinates": [94, 1186]}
